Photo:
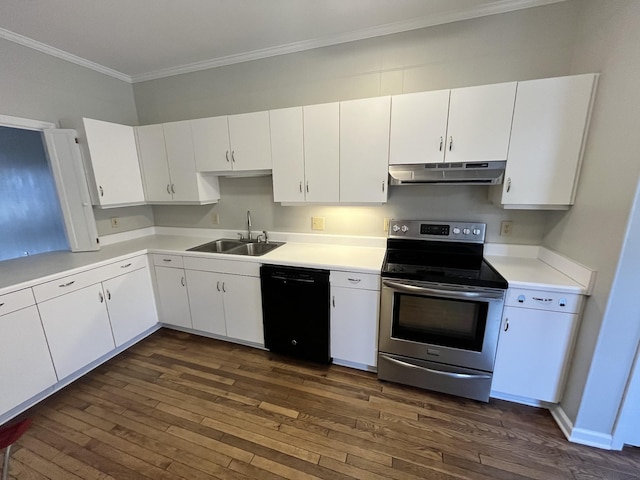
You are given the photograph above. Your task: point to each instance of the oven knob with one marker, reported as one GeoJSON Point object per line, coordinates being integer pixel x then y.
{"type": "Point", "coordinates": [476, 231]}
{"type": "Point", "coordinates": [396, 228]}
{"type": "Point", "coordinates": [466, 231]}
{"type": "Point", "coordinates": [456, 231]}
{"type": "Point", "coordinates": [404, 229]}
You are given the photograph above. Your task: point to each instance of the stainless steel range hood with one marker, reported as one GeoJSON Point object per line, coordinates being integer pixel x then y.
{"type": "Point", "coordinates": [467, 173]}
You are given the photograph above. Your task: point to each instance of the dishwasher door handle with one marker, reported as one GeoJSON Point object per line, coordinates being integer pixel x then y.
{"type": "Point", "coordinates": [289, 279]}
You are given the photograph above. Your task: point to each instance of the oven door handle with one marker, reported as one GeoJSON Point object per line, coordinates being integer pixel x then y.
{"type": "Point", "coordinates": [438, 372]}
{"type": "Point", "coordinates": [442, 292]}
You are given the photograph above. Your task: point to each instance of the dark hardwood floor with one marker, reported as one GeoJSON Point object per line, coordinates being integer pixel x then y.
{"type": "Point", "coordinates": [180, 406]}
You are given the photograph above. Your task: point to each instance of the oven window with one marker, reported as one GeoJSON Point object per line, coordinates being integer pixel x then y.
{"type": "Point", "coordinates": [437, 321]}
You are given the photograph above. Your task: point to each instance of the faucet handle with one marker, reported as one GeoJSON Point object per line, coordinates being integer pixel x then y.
{"type": "Point", "coordinates": [240, 236]}
{"type": "Point", "coordinates": [264, 237]}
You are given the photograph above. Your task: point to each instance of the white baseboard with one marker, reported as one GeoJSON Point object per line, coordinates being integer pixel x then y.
{"type": "Point", "coordinates": [581, 435]}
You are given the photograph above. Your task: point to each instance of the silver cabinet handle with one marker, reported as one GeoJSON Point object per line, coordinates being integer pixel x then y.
{"type": "Point", "coordinates": [101, 297]}
{"type": "Point", "coordinates": [227, 156]}
{"type": "Point", "coordinates": [333, 301]}
{"type": "Point", "coordinates": [508, 184]}
{"type": "Point", "coordinates": [224, 289]}
{"type": "Point", "coordinates": [167, 260]}
{"type": "Point", "coordinates": [506, 324]}
{"type": "Point", "coordinates": [67, 284]}
{"type": "Point", "coordinates": [354, 280]}
{"type": "Point", "coordinates": [108, 295]}
{"type": "Point", "coordinates": [2, 304]}
{"type": "Point", "coordinates": [218, 286]}
{"type": "Point", "coordinates": [173, 188]}
{"type": "Point", "coordinates": [383, 182]}
{"type": "Point", "coordinates": [450, 143]}
{"type": "Point", "coordinates": [300, 186]}
{"type": "Point", "coordinates": [307, 186]}
{"type": "Point", "coordinates": [168, 189]}
{"type": "Point", "coordinates": [101, 191]}
{"type": "Point", "coordinates": [125, 266]}
{"type": "Point", "coordinates": [441, 143]}
{"type": "Point", "coordinates": [233, 156]}
{"type": "Point", "coordinates": [182, 281]}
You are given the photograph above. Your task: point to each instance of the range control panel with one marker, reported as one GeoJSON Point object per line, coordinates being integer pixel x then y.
{"type": "Point", "coordinates": [468, 232]}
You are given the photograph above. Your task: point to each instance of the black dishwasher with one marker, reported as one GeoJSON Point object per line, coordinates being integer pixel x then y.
{"type": "Point", "coordinates": [295, 311]}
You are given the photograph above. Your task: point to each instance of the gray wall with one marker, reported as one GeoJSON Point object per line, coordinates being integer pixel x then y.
{"type": "Point", "coordinates": [41, 87]}
{"type": "Point", "coordinates": [593, 231]}
{"type": "Point", "coordinates": [527, 44]}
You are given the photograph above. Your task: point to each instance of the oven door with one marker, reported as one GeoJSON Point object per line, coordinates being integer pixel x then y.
{"type": "Point", "coordinates": [448, 324]}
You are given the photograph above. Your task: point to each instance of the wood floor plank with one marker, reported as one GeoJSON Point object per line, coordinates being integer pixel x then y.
{"type": "Point", "coordinates": [176, 406]}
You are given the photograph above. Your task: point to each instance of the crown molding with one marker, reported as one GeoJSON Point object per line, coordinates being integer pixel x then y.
{"type": "Point", "coordinates": [494, 8]}
{"type": "Point", "coordinates": [56, 52]}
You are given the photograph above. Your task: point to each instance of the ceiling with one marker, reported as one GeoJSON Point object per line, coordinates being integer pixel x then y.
{"type": "Point", "coordinates": [137, 40]}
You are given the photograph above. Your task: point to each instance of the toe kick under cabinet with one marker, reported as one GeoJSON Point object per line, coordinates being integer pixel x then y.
{"type": "Point", "coordinates": [535, 345]}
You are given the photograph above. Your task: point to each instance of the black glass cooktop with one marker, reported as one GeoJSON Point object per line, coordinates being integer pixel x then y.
{"type": "Point", "coordinates": [450, 262]}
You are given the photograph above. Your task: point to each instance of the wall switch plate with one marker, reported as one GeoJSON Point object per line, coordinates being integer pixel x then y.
{"type": "Point", "coordinates": [385, 225]}
{"type": "Point", "coordinates": [215, 219]}
{"type": "Point", "coordinates": [115, 222]}
{"type": "Point", "coordinates": [317, 223]}
{"type": "Point", "coordinates": [505, 228]}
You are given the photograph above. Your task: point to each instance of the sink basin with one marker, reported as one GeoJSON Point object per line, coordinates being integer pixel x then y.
{"type": "Point", "coordinates": [254, 249]}
{"type": "Point", "coordinates": [236, 247]}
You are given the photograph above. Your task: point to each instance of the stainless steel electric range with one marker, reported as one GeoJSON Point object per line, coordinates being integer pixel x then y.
{"type": "Point", "coordinates": [440, 309]}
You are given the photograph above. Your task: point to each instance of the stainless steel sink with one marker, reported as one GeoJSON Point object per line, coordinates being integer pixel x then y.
{"type": "Point", "coordinates": [236, 247]}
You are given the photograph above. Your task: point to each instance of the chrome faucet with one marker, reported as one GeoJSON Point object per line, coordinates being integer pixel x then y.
{"type": "Point", "coordinates": [248, 225]}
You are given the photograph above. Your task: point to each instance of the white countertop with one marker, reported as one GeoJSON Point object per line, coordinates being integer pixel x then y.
{"type": "Point", "coordinates": [521, 266]}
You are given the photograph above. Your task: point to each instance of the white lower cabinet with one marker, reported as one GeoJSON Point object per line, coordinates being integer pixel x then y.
{"type": "Point", "coordinates": [77, 328]}
{"type": "Point", "coordinates": [355, 299]}
{"type": "Point", "coordinates": [173, 302]}
{"type": "Point", "coordinates": [226, 305]}
{"type": "Point", "coordinates": [535, 345]}
{"type": "Point", "coordinates": [26, 368]}
{"type": "Point", "coordinates": [130, 303]}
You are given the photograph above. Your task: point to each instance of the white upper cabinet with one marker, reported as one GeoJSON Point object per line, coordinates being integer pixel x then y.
{"type": "Point", "coordinates": [305, 149]}
{"type": "Point", "coordinates": [237, 143]}
{"type": "Point", "coordinates": [460, 125]}
{"type": "Point", "coordinates": [550, 124]}
{"type": "Point", "coordinates": [287, 154]}
{"type": "Point", "coordinates": [480, 123]}
{"type": "Point", "coordinates": [322, 152]}
{"type": "Point", "coordinates": [418, 127]}
{"type": "Point", "coordinates": [168, 164]}
{"type": "Point", "coordinates": [364, 150]}
{"type": "Point", "coordinates": [114, 164]}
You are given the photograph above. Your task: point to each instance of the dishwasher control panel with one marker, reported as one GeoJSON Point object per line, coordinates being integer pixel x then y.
{"type": "Point", "coordinates": [544, 300]}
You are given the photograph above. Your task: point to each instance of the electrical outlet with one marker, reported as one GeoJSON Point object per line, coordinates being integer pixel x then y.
{"type": "Point", "coordinates": [115, 223]}
{"type": "Point", "coordinates": [317, 223]}
{"type": "Point", "coordinates": [385, 225]}
{"type": "Point", "coordinates": [505, 228]}
{"type": "Point", "coordinates": [215, 219]}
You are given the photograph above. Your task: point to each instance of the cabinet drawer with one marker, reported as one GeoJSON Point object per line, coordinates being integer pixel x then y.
{"type": "Point", "coordinates": [543, 300]}
{"type": "Point", "coordinates": [174, 261]}
{"type": "Point", "coordinates": [355, 280]}
{"type": "Point", "coordinates": [66, 284]}
{"type": "Point", "coordinates": [16, 300]}
{"type": "Point", "coordinates": [122, 267]}
{"type": "Point", "coordinates": [251, 269]}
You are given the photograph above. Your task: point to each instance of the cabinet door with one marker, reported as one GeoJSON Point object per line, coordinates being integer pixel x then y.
{"type": "Point", "coordinates": [130, 303]}
{"type": "Point", "coordinates": [354, 325]}
{"type": "Point", "coordinates": [533, 352]}
{"type": "Point", "coordinates": [205, 300]}
{"type": "Point", "coordinates": [173, 302]}
{"type": "Point", "coordinates": [26, 368]}
{"type": "Point", "coordinates": [153, 160]}
{"type": "Point", "coordinates": [549, 126]}
{"type": "Point", "coordinates": [418, 127]}
{"type": "Point", "coordinates": [182, 165]}
{"type": "Point", "coordinates": [322, 152]}
{"type": "Point", "coordinates": [480, 122]}
{"type": "Point", "coordinates": [243, 308]}
{"type": "Point", "coordinates": [211, 144]}
{"type": "Point", "coordinates": [250, 141]}
{"type": "Point", "coordinates": [77, 329]}
{"type": "Point", "coordinates": [364, 150]}
{"type": "Point", "coordinates": [287, 152]}
{"type": "Point", "coordinates": [114, 161]}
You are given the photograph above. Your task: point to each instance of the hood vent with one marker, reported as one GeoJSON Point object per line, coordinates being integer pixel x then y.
{"type": "Point", "coordinates": [467, 173]}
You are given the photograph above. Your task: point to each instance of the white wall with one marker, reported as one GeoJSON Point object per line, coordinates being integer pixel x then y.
{"type": "Point", "coordinates": [521, 45]}
{"type": "Point", "coordinates": [593, 231]}
{"type": "Point", "coordinates": [41, 87]}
